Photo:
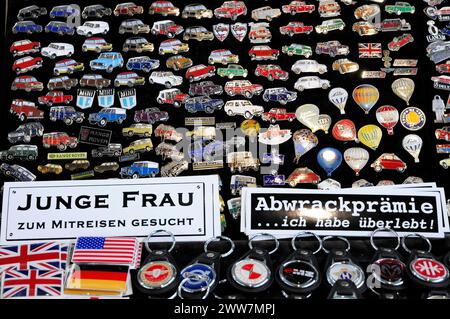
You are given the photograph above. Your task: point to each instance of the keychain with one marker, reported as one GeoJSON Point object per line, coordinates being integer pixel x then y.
{"type": "Point", "coordinates": [253, 271]}
{"type": "Point", "coordinates": [340, 265]}
{"type": "Point", "coordinates": [423, 268]}
{"type": "Point", "coordinates": [299, 273]}
{"type": "Point", "coordinates": [387, 269]}
{"type": "Point", "coordinates": [159, 273]}
{"type": "Point", "coordinates": [200, 277]}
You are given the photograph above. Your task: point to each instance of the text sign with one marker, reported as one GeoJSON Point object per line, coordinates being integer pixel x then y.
{"type": "Point", "coordinates": [286, 212]}
{"type": "Point", "coordinates": [64, 210]}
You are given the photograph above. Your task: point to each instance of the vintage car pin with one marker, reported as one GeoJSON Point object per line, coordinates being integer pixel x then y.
{"type": "Point", "coordinates": [369, 50]}
{"type": "Point", "coordinates": [329, 159]}
{"type": "Point", "coordinates": [442, 14]}
{"type": "Point", "coordinates": [412, 118]}
{"type": "Point", "coordinates": [403, 88]}
{"type": "Point", "coordinates": [274, 135]}
{"type": "Point", "coordinates": [442, 133]}
{"type": "Point", "coordinates": [302, 175]}
{"type": "Point", "coordinates": [304, 141]}
{"type": "Point", "coordinates": [373, 74]}
{"type": "Point", "coordinates": [356, 158]}
{"type": "Point", "coordinates": [26, 64]}
{"type": "Point", "coordinates": [221, 31]}
{"type": "Point", "coordinates": [366, 96]}
{"type": "Point", "coordinates": [344, 130]}
{"type": "Point", "coordinates": [174, 168]}
{"type": "Point", "coordinates": [364, 28]}
{"type": "Point", "coordinates": [367, 12]}
{"type": "Point", "coordinates": [387, 116]}
{"type": "Point", "coordinates": [370, 135]}
{"type": "Point", "coordinates": [239, 30]}
{"type": "Point", "coordinates": [330, 25]}
{"type": "Point", "coordinates": [242, 161]}
{"type": "Point", "coordinates": [295, 7]}
{"type": "Point", "coordinates": [399, 42]}
{"type": "Point", "coordinates": [441, 82]}
{"type": "Point", "coordinates": [388, 161]}
{"type": "Point", "coordinates": [265, 13]}
{"type": "Point", "coordinates": [252, 273]}
{"type": "Point", "coordinates": [412, 143]}
{"type": "Point", "coordinates": [423, 268]}
{"type": "Point", "coordinates": [399, 8]}
{"type": "Point", "coordinates": [329, 184]}
{"type": "Point", "coordinates": [17, 172]}
{"type": "Point", "coordinates": [344, 66]}
{"type": "Point", "coordinates": [338, 96]}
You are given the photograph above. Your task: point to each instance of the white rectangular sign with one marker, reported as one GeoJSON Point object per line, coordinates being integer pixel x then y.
{"type": "Point", "coordinates": [65, 210]}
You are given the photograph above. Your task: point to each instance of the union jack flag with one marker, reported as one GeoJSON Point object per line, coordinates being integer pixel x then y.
{"type": "Point", "coordinates": [32, 283]}
{"type": "Point", "coordinates": [45, 256]}
{"type": "Point", "coordinates": [369, 50]}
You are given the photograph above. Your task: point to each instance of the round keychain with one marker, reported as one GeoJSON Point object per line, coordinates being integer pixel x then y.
{"type": "Point", "coordinates": [340, 265]}
{"type": "Point", "coordinates": [253, 271]}
{"type": "Point", "coordinates": [388, 270]}
{"type": "Point", "coordinates": [200, 277]}
{"type": "Point", "coordinates": [159, 272]}
{"type": "Point", "coordinates": [423, 268]}
{"type": "Point", "coordinates": [299, 273]}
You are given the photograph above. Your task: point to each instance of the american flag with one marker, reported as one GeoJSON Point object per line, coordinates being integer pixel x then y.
{"type": "Point", "coordinates": [45, 256]}
{"type": "Point", "coordinates": [109, 250]}
{"type": "Point", "coordinates": [369, 50]}
{"type": "Point", "coordinates": [32, 283]}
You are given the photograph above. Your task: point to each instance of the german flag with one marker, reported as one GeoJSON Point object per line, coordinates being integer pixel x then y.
{"type": "Point", "coordinates": [107, 279]}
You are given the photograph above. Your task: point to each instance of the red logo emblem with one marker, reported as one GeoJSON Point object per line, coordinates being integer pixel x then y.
{"type": "Point", "coordinates": [251, 273]}
{"type": "Point", "coordinates": [430, 269]}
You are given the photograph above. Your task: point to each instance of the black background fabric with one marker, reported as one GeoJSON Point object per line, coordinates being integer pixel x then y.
{"type": "Point", "coordinates": [428, 168]}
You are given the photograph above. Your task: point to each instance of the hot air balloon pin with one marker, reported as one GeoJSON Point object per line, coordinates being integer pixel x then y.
{"type": "Point", "coordinates": [304, 141]}
{"type": "Point", "coordinates": [370, 135]}
{"type": "Point", "coordinates": [366, 96]}
{"type": "Point", "coordinates": [387, 116]}
{"type": "Point", "coordinates": [412, 143]}
{"type": "Point", "coordinates": [338, 96]}
{"type": "Point", "coordinates": [356, 158]}
{"type": "Point", "coordinates": [403, 88]}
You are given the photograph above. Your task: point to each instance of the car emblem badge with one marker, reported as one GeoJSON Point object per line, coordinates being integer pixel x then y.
{"type": "Point", "coordinates": [221, 31]}
{"type": "Point", "coordinates": [156, 275]}
{"type": "Point", "coordinates": [412, 118]}
{"type": "Point", "coordinates": [197, 277]}
{"type": "Point", "coordinates": [250, 273]}
{"type": "Point", "coordinates": [85, 98]}
{"type": "Point", "coordinates": [127, 98]}
{"type": "Point", "coordinates": [429, 270]}
{"type": "Point", "coordinates": [105, 97]}
{"type": "Point", "coordinates": [345, 271]}
{"type": "Point", "coordinates": [391, 271]}
{"type": "Point", "coordinates": [239, 31]}
{"type": "Point", "coordinates": [298, 274]}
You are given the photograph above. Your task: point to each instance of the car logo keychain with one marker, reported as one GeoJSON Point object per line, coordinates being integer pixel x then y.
{"type": "Point", "coordinates": [200, 277]}
{"type": "Point", "coordinates": [253, 272]}
{"type": "Point", "coordinates": [388, 271]}
{"type": "Point", "coordinates": [159, 273]}
{"type": "Point", "coordinates": [299, 273]}
{"type": "Point", "coordinates": [423, 268]}
{"type": "Point", "coordinates": [340, 265]}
